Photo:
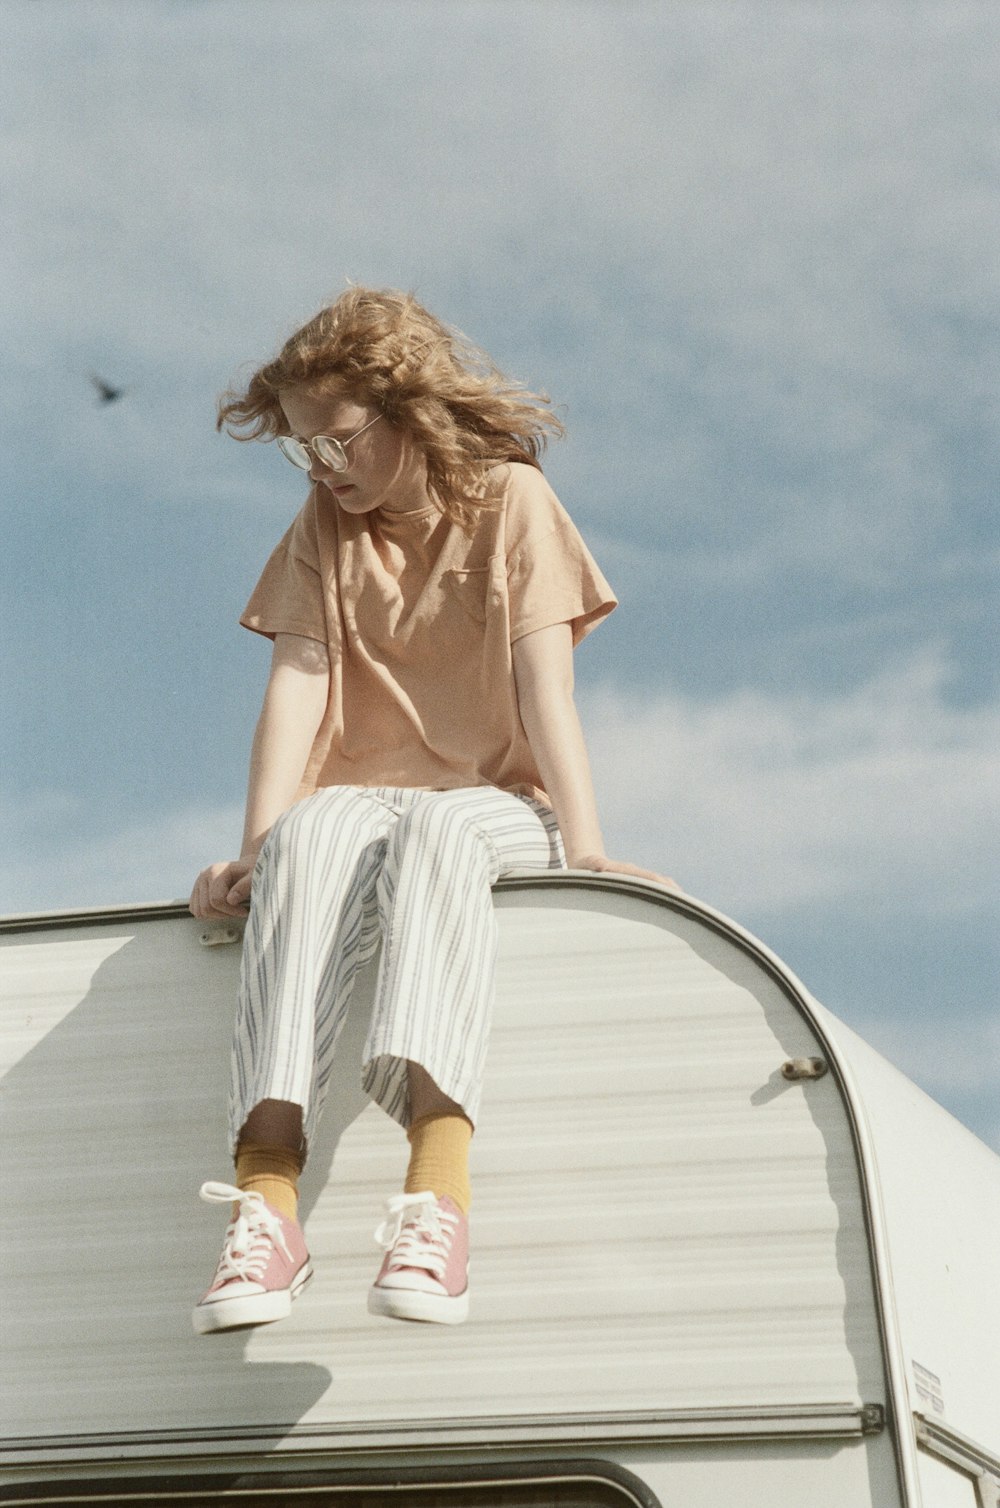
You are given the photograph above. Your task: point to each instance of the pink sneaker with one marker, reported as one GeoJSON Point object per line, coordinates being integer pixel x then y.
{"type": "Point", "coordinates": [264, 1265]}
{"type": "Point", "coordinates": [425, 1273]}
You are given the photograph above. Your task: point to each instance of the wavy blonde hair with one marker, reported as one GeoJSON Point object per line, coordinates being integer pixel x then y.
{"type": "Point", "coordinates": [383, 348]}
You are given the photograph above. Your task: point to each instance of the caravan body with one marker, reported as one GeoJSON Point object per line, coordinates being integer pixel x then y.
{"type": "Point", "coordinates": [722, 1250]}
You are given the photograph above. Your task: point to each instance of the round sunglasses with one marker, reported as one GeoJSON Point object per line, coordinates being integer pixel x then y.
{"type": "Point", "coordinates": [325, 448]}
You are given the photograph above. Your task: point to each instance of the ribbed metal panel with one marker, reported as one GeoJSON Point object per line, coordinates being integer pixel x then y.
{"type": "Point", "coordinates": [661, 1220]}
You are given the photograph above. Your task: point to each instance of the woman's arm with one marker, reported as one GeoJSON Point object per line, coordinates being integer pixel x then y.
{"type": "Point", "coordinates": [294, 703]}
{"type": "Point", "coordinates": [543, 675]}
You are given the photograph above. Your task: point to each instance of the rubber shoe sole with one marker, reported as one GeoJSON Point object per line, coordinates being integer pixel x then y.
{"type": "Point", "coordinates": [252, 1309]}
{"type": "Point", "coordinates": [411, 1304]}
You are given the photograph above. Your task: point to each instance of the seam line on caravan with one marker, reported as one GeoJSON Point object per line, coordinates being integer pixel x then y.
{"type": "Point", "coordinates": [811, 1421]}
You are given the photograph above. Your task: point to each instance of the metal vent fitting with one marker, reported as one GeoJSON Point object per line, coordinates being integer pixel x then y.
{"type": "Point", "coordinates": [804, 1068]}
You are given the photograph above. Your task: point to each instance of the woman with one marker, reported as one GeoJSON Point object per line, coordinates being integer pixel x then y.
{"type": "Point", "coordinates": [418, 739]}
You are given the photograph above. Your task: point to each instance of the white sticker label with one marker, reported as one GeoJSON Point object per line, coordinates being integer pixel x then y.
{"type": "Point", "coordinates": [928, 1388]}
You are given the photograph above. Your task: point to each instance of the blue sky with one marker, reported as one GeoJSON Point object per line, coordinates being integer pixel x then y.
{"type": "Point", "coordinates": [750, 249]}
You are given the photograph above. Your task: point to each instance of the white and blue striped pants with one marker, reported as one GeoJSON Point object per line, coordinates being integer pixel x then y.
{"type": "Point", "coordinates": [351, 867]}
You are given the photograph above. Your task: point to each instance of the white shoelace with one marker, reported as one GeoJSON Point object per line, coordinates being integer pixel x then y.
{"type": "Point", "coordinates": [250, 1238]}
{"type": "Point", "coordinates": [418, 1232]}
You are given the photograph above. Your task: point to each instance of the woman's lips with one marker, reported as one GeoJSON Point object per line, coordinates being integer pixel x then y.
{"type": "Point", "coordinates": [340, 490]}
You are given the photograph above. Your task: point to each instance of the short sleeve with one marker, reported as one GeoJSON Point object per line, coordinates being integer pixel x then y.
{"type": "Point", "coordinates": [551, 575]}
{"type": "Point", "coordinates": [289, 597]}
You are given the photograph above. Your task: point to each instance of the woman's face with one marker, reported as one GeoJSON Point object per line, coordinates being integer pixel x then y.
{"type": "Point", "coordinates": [385, 468]}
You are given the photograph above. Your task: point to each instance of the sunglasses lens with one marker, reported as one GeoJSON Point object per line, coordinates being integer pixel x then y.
{"type": "Point", "coordinates": [294, 451]}
{"type": "Point", "coordinates": [330, 452]}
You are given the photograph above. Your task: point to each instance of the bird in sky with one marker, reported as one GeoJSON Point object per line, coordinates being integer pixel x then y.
{"type": "Point", "coordinates": [105, 391]}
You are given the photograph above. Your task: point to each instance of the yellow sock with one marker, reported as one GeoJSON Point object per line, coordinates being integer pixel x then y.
{"type": "Point", "coordinates": [272, 1172]}
{"type": "Point", "coordinates": [439, 1158]}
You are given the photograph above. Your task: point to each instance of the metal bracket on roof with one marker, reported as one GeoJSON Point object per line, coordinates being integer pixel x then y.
{"type": "Point", "coordinates": [804, 1068]}
{"type": "Point", "coordinates": [217, 937]}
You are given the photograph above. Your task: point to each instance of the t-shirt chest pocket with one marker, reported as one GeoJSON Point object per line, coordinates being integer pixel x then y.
{"type": "Point", "coordinates": [477, 590]}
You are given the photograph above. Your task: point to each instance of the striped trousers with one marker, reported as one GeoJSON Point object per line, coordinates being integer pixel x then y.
{"type": "Point", "coordinates": [351, 868]}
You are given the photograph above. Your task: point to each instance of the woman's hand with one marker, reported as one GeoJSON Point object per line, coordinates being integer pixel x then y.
{"type": "Point", "coordinates": [618, 866]}
{"type": "Point", "coordinates": [222, 890]}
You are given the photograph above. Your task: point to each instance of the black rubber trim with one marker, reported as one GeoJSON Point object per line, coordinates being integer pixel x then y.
{"type": "Point", "coordinates": [247, 1490]}
{"type": "Point", "coordinates": [56, 921]}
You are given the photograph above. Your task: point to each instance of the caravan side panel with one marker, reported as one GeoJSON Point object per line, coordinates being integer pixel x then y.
{"type": "Point", "coordinates": [671, 1247]}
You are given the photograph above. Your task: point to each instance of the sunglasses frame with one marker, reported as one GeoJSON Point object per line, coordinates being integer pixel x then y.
{"type": "Point", "coordinates": [328, 451]}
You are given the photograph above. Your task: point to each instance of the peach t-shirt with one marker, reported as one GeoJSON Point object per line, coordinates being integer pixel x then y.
{"type": "Point", "coordinates": [419, 618]}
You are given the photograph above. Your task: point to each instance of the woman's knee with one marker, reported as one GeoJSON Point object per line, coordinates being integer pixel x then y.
{"type": "Point", "coordinates": [440, 827]}
{"type": "Point", "coordinates": [325, 812]}
{"type": "Point", "coordinates": [438, 819]}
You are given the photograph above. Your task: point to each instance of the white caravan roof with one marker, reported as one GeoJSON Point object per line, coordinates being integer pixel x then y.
{"type": "Point", "coordinates": [673, 1240]}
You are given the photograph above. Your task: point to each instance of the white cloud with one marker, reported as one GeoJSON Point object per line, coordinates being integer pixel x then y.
{"type": "Point", "coordinates": [762, 804]}
{"type": "Point", "coordinates": [758, 804]}
{"type": "Point", "coordinates": [61, 865]}
{"type": "Point", "coordinates": [783, 217]}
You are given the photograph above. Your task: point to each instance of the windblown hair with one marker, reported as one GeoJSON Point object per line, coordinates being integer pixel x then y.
{"type": "Point", "coordinates": [383, 348]}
